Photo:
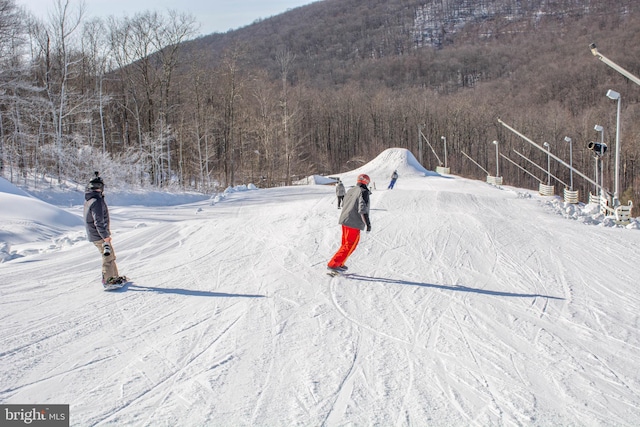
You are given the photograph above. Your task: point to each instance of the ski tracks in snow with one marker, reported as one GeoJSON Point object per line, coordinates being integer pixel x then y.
{"type": "Point", "coordinates": [458, 312]}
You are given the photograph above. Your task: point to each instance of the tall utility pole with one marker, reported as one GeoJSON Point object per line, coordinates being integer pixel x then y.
{"type": "Point", "coordinates": [444, 138]}
{"type": "Point", "coordinates": [613, 95]}
{"type": "Point", "coordinates": [612, 64]}
{"type": "Point", "coordinates": [497, 158]}
{"type": "Point", "coordinates": [420, 144]}
{"type": "Point", "coordinates": [548, 147]}
{"type": "Point", "coordinates": [567, 139]}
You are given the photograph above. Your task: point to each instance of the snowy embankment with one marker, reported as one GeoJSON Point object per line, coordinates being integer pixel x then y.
{"type": "Point", "coordinates": [466, 305]}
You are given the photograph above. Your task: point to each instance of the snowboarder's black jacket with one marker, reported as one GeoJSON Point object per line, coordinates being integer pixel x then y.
{"type": "Point", "coordinates": [96, 216]}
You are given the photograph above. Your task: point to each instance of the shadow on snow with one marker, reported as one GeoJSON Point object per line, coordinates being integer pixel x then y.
{"type": "Point", "coordinates": [189, 292]}
{"type": "Point", "coordinates": [448, 288]}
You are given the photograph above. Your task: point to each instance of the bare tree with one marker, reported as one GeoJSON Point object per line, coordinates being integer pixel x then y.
{"type": "Point", "coordinates": [232, 87]}
{"type": "Point", "coordinates": [285, 58]}
{"type": "Point", "coordinates": [95, 54]}
{"type": "Point", "coordinates": [12, 41]}
{"type": "Point", "coordinates": [55, 40]}
{"type": "Point", "coordinates": [267, 125]}
{"type": "Point", "coordinates": [146, 48]}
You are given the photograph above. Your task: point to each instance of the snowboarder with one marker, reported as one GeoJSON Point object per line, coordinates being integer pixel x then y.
{"type": "Point", "coordinates": [340, 192]}
{"type": "Point", "coordinates": [96, 215]}
{"type": "Point", "coordinates": [354, 218]}
{"type": "Point", "coordinates": [394, 177]}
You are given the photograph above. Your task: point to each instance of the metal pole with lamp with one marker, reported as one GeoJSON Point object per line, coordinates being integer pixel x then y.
{"type": "Point", "coordinates": [420, 126]}
{"type": "Point", "coordinates": [599, 166]}
{"type": "Point", "coordinates": [444, 138]}
{"type": "Point", "coordinates": [610, 63]}
{"type": "Point", "coordinates": [613, 95]}
{"type": "Point", "coordinates": [567, 139]}
{"type": "Point", "coordinates": [546, 144]}
{"type": "Point", "coordinates": [497, 169]}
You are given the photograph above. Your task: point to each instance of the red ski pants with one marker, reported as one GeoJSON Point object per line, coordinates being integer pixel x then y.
{"type": "Point", "coordinates": [350, 239]}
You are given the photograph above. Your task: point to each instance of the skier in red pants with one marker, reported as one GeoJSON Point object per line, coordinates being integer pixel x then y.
{"type": "Point", "coordinates": [354, 217]}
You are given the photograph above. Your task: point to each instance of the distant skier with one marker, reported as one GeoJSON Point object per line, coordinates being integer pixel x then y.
{"type": "Point", "coordinates": [394, 178]}
{"type": "Point", "coordinates": [96, 215]}
{"type": "Point", "coordinates": [354, 217]}
{"type": "Point", "coordinates": [340, 192]}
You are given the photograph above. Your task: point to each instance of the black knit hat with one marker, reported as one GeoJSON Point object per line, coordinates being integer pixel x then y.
{"type": "Point", "coordinates": [96, 183]}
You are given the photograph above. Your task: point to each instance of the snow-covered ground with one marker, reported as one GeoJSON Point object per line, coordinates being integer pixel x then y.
{"type": "Point", "coordinates": [467, 304]}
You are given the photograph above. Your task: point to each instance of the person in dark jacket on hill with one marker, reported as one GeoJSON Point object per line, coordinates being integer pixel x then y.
{"type": "Point", "coordinates": [394, 178]}
{"type": "Point", "coordinates": [354, 218]}
{"type": "Point", "coordinates": [96, 215]}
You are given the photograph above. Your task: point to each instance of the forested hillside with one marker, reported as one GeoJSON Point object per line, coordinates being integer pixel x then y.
{"type": "Point", "coordinates": [326, 87]}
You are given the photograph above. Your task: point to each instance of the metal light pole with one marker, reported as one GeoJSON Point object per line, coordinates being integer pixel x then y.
{"type": "Point", "coordinates": [566, 138]}
{"type": "Point", "coordinates": [546, 144]}
{"type": "Point", "coordinates": [444, 138]}
{"type": "Point", "coordinates": [612, 64]}
{"type": "Point", "coordinates": [600, 129]}
{"type": "Point", "coordinates": [497, 169]}
{"type": "Point", "coordinates": [420, 143]}
{"type": "Point", "coordinates": [612, 94]}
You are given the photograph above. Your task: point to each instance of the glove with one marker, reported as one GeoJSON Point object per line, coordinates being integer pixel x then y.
{"type": "Point", "coordinates": [367, 223]}
{"type": "Point", "coordinates": [106, 248]}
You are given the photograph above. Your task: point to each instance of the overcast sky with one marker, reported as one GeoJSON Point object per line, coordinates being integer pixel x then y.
{"type": "Point", "coordinates": [212, 15]}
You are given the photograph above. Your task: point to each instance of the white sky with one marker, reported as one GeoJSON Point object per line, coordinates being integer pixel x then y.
{"type": "Point", "coordinates": [212, 15]}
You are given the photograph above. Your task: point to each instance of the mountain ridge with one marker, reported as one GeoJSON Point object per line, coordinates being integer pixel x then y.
{"type": "Point", "coordinates": [348, 32]}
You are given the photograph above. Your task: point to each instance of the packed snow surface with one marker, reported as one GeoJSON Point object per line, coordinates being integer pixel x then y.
{"type": "Point", "coordinates": [468, 304]}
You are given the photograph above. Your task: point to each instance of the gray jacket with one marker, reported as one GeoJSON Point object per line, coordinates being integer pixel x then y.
{"type": "Point", "coordinates": [355, 209]}
{"type": "Point", "coordinates": [96, 216]}
{"type": "Point", "coordinates": [340, 189]}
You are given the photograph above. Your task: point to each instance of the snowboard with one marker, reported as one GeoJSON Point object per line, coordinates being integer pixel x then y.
{"type": "Point", "coordinates": [115, 286]}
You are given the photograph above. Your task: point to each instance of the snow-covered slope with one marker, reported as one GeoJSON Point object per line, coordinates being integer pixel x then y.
{"type": "Point", "coordinates": [467, 305]}
{"type": "Point", "coordinates": [25, 219]}
{"type": "Point", "coordinates": [381, 168]}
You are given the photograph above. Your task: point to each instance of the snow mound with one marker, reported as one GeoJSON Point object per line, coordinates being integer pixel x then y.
{"type": "Point", "coordinates": [381, 168]}
{"type": "Point", "coordinates": [589, 214]}
{"type": "Point", "coordinates": [316, 180]}
{"type": "Point", "coordinates": [8, 188]}
{"type": "Point", "coordinates": [217, 198]}
{"type": "Point", "coordinates": [24, 218]}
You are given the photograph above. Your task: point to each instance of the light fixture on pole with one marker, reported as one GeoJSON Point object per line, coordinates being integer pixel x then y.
{"type": "Point", "coordinates": [444, 138]}
{"type": "Point", "coordinates": [610, 63]}
{"type": "Point", "coordinates": [546, 144]}
{"type": "Point", "coordinates": [612, 94]}
{"type": "Point", "coordinates": [567, 139]}
{"type": "Point", "coordinates": [600, 129]}
{"type": "Point", "coordinates": [420, 126]}
{"type": "Point", "coordinates": [497, 169]}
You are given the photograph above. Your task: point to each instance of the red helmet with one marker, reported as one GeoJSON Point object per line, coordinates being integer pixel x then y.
{"type": "Point", "coordinates": [363, 179]}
